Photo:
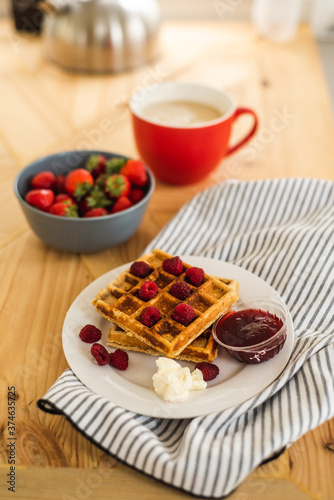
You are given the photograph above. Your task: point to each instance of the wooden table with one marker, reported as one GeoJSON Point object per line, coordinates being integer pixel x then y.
{"type": "Point", "coordinates": [44, 110]}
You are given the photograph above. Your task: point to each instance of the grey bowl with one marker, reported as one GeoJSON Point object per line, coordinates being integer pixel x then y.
{"type": "Point", "coordinates": [78, 235]}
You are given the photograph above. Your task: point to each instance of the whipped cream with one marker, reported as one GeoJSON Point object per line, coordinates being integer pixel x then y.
{"type": "Point", "coordinates": [174, 383]}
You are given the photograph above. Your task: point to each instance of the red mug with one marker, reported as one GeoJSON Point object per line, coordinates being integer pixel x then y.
{"type": "Point", "coordinates": [182, 154]}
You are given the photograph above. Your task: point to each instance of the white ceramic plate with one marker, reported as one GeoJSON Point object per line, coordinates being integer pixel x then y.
{"type": "Point", "coordinates": [132, 389]}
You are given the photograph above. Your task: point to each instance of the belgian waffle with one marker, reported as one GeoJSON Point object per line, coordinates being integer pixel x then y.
{"type": "Point", "coordinates": [119, 303]}
{"type": "Point", "coordinates": [203, 348]}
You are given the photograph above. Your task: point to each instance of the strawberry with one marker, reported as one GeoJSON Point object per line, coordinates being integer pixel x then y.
{"type": "Point", "coordinates": [64, 209]}
{"type": "Point", "coordinates": [115, 165]}
{"type": "Point", "coordinates": [100, 181]}
{"type": "Point", "coordinates": [61, 197]}
{"type": "Point", "coordinates": [112, 167]}
{"type": "Point", "coordinates": [95, 199]}
{"type": "Point", "coordinates": [96, 212]}
{"type": "Point", "coordinates": [78, 183]}
{"type": "Point", "coordinates": [136, 173]}
{"type": "Point", "coordinates": [60, 184]}
{"type": "Point", "coordinates": [44, 180]}
{"type": "Point", "coordinates": [136, 194]}
{"type": "Point", "coordinates": [96, 165]}
{"type": "Point", "coordinates": [40, 198]}
{"type": "Point", "coordinates": [117, 185]}
{"type": "Point", "coordinates": [122, 203]}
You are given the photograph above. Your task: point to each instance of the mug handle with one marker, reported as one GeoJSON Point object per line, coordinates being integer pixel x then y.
{"type": "Point", "coordinates": [239, 112]}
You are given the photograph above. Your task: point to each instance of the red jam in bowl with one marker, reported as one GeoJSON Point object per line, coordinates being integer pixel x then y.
{"type": "Point", "coordinates": [251, 335]}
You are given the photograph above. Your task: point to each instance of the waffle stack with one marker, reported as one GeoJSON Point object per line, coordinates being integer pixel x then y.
{"type": "Point", "coordinates": [204, 348]}
{"type": "Point", "coordinates": [120, 304]}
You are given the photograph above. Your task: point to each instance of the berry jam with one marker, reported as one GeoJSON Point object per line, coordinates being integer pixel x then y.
{"type": "Point", "coordinates": [251, 327]}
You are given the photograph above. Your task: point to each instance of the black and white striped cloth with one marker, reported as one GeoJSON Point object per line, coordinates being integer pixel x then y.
{"type": "Point", "coordinates": [281, 230]}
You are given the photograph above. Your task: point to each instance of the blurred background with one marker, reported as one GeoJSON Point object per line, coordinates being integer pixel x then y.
{"type": "Point", "coordinates": [318, 14]}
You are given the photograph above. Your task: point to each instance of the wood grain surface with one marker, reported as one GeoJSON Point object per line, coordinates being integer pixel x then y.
{"type": "Point", "coordinates": [44, 110]}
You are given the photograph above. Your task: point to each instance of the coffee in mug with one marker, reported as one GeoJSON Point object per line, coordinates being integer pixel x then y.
{"type": "Point", "coordinates": [182, 130]}
{"type": "Point", "coordinates": [180, 113]}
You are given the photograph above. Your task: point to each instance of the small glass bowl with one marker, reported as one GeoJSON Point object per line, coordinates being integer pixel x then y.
{"type": "Point", "coordinates": [257, 353]}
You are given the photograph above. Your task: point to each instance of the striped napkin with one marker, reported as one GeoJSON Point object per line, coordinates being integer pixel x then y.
{"type": "Point", "coordinates": [281, 230]}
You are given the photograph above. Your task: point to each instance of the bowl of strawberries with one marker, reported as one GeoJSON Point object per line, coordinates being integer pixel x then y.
{"type": "Point", "coordinates": [84, 201]}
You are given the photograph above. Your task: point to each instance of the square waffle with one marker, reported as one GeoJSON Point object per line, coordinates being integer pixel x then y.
{"type": "Point", "coordinates": [119, 303]}
{"type": "Point", "coordinates": [203, 348]}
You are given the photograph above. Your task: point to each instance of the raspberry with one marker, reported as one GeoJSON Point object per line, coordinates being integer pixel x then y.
{"type": "Point", "coordinates": [173, 266]}
{"type": "Point", "coordinates": [90, 334]}
{"type": "Point", "coordinates": [181, 290]}
{"type": "Point", "coordinates": [183, 313]}
{"type": "Point", "coordinates": [148, 290]}
{"type": "Point", "coordinates": [149, 316]}
{"type": "Point", "coordinates": [195, 275]}
{"type": "Point", "coordinates": [100, 354]}
{"type": "Point", "coordinates": [119, 359]}
{"type": "Point", "coordinates": [209, 370]}
{"type": "Point", "coordinates": [140, 269]}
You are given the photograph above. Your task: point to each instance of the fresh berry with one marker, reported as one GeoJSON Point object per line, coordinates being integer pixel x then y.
{"type": "Point", "coordinates": [60, 183]}
{"type": "Point", "coordinates": [96, 212]}
{"type": "Point", "coordinates": [117, 185]}
{"type": "Point", "coordinates": [64, 209]}
{"type": "Point", "coordinates": [136, 194]}
{"type": "Point", "coordinates": [184, 314]}
{"type": "Point", "coordinates": [100, 354]}
{"type": "Point", "coordinates": [181, 290]}
{"type": "Point", "coordinates": [119, 359]}
{"type": "Point", "coordinates": [90, 334]}
{"type": "Point", "coordinates": [148, 290]}
{"type": "Point", "coordinates": [40, 198]}
{"type": "Point", "coordinates": [100, 184]}
{"type": "Point", "coordinates": [44, 180]}
{"type": "Point", "coordinates": [140, 269]}
{"type": "Point", "coordinates": [63, 197]}
{"type": "Point", "coordinates": [115, 165]}
{"type": "Point", "coordinates": [149, 316]}
{"type": "Point", "coordinates": [78, 183]}
{"type": "Point", "coordinates": [96, 165]}
{"type": "Point", "coordinates": [100, 181]}
{"type": "Point", "coordinates": [209, 370]}
{"type": "Point", "coordinates": [121, 204]}
{"type": "Point", "coordinates": [135, 172]}
{"type": "Point", "coordinates": [96, 198]}
{"type": "Point", "coordinates": [173, 266]}
{"type": "Point", "coordinates": [195, 275]}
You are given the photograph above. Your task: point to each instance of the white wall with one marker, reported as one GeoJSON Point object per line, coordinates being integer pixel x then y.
{"type": "Point", "coordinates": [206, 9]}
{"type": "Point", "coordinates": [195, 9]}
{"type": "Point", "coordinates": [238, 10]}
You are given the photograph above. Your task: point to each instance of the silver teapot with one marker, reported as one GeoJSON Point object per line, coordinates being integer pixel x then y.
{"type": "Point", "coordinates": [101, 35]}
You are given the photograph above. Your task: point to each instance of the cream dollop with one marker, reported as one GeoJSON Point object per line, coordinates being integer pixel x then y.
{"type": "Point", "coordinates": [174, 383]}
